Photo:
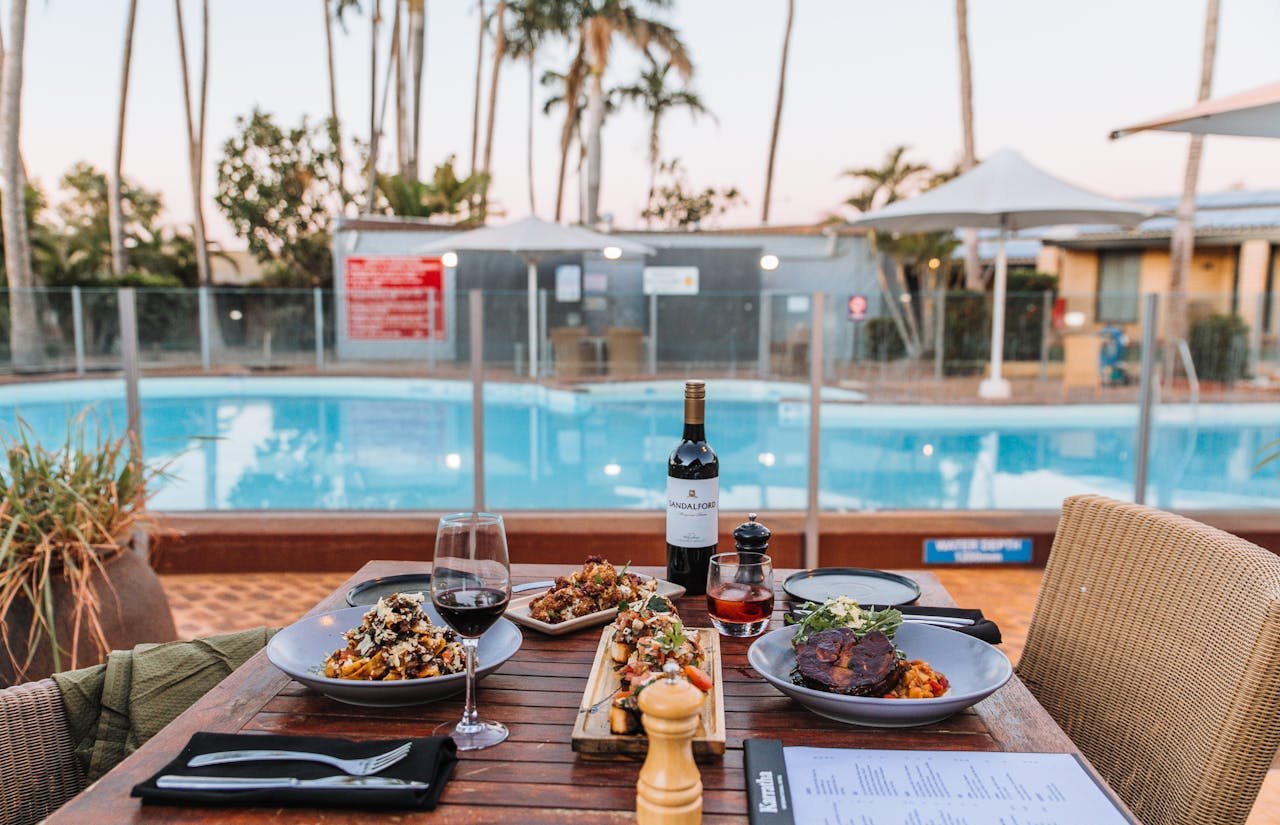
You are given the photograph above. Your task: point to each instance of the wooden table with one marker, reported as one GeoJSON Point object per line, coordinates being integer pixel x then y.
{"type": "Point", "coordinates": [535, 777]}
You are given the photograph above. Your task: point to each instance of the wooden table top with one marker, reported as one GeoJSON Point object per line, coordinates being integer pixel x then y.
{"type": "Point", "coordinates": [535, 777]}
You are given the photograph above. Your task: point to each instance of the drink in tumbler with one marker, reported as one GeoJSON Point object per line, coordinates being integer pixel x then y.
{"type": "Point", "coordinates": [740, 593]}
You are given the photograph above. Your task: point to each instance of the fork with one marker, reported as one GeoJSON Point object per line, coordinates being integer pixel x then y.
{"type": "Point", "coordinates": [354, 767]}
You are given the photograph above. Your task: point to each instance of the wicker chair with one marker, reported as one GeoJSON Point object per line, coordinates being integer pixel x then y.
{"type": "Point", "coordinates": [1155, 643]}
{"type": "Point", "coordinates": [38, 766]}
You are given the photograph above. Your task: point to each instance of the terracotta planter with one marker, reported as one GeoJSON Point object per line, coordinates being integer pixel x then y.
{"type": "Point", "coordinates": [134, 609]}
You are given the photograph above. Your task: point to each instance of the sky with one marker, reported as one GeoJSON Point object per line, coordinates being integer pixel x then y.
{"type": "Point", "coordinates": [1051, 79]}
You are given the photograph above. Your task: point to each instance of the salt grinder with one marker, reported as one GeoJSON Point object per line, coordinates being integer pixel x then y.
{"type": "Point", "coordinates": [669, 790]}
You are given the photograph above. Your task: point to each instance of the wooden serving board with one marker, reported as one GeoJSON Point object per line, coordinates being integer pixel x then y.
{"type": "Point", "coordinates": [591, 735]}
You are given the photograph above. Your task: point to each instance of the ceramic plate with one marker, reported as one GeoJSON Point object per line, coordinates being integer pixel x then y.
{"type": "Point", "coordinates": [974, 668]}
{"type": "Point", "coordinates": [301, 648]}
{"type": "Point", "coordinates": [860, 584]}
{"type": "Point", "coordinates": [518, 611]}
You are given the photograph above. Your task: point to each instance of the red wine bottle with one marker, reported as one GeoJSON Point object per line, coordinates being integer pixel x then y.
{"type": "Point", "coordinates": [693, 497]}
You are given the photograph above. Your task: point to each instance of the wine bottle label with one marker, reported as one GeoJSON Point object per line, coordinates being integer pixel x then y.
{"type": "Point", "coordinates": [693, 508]}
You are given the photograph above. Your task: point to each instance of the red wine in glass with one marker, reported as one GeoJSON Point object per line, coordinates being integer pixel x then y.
{"type": "Point", "coordinates": [471, 611]}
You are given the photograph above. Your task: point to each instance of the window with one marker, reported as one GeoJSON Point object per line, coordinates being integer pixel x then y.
{"type": "Point", "coordinates": [1118, 287]}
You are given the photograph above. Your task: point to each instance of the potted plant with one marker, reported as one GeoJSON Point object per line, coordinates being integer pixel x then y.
{"type": "Point", "coordinates": [71, 587]}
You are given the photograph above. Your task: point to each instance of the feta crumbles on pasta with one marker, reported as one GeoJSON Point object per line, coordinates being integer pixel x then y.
{"type": "Point", "coordinates": [396, 640]}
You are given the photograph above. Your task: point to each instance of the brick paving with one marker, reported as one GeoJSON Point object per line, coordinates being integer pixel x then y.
{"type": "Point", "coordinates": [207, 604]}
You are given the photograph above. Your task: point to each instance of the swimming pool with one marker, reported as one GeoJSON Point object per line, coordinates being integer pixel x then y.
{"type": "Point", "coordinates": [305, 443]}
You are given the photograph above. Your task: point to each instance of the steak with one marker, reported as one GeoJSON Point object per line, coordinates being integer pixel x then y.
{"type": "Point", "coordinates": [836, 660]}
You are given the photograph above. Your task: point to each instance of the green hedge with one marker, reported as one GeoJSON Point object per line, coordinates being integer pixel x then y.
{"type": "Point", "coordinates": [883, 341]}
{"type": "Point", "coordinates": [1220, 348]}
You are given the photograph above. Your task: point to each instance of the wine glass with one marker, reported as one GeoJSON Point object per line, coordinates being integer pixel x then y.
{"type": "Point", "coordinates": [740, 593]}
{"type": "Point", "coordinates": [470, 588]}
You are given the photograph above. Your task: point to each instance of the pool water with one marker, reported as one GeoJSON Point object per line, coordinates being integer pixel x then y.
{"type": "Point", "coordinates": [400, 444]}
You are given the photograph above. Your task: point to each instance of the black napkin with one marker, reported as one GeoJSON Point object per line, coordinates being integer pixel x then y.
{"type": "Point", "coordinates": [982, 627]}
{"type": "Point", "coordinates": [429, 760]}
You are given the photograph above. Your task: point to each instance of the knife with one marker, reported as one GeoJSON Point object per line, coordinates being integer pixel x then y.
{"type": "Point", "coordinates": [520, 588]}
{"type": "Point", "coordinates": [239, 783]}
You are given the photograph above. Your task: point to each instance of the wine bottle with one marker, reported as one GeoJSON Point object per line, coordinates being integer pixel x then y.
{"type": "Point", "coordinates": [693, 497]}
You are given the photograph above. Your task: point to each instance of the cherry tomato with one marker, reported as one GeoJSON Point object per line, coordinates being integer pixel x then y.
{"type": "Point", "coordinates": [699, 679]}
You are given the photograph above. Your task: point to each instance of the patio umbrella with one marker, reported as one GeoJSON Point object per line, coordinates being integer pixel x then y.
{"type": "Point", "coordinates": [1007, 193]}
{"type": "Point", "coordinates": [533, 238]}
{"type": "Point", "coordinates": [1254, 113]}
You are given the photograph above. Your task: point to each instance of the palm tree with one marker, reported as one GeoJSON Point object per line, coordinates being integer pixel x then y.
{"type": "Point", "coordinates": [777, 112]}
{"type": "Point", "coordinates": [371, 191]}
{"type": "Point", "coordinates": [532, 23]}
{"type": "Point", "coordinates": [890, 181]}
{"type": "Point", "coordinates": [475, 103]}
{"type": "Point", "coordinates": [1182, 244]}
{"type": "Point", "coordinates": [972, 262]}
{"type": "Point", "coordinates": [335, 123]}
{"type": "Point", "coordinates": [602, 21]}
{"type": "Point", "coordinates": [658, 99]}
{"type": "Point", "coordinates": [573, 81]}
{"type": "Point", "coordinates": [115, 213]}
{"type": "Point", "coordinates": [499, 54]}
{"type": "Point", "coordinates": [195, 120]}
{"type": "Point", "coordinates": [23, 324]}
{"type": "Point", "coordinates": [417, 48]}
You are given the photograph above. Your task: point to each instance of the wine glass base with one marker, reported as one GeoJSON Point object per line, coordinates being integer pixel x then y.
{"type": "Point", "coordinates": [473, 737]}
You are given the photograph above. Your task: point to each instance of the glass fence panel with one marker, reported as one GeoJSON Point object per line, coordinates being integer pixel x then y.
{"type": "Point", "coordinates": [596, 428]}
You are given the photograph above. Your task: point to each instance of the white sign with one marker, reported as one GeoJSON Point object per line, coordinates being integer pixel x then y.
{"type": "Point", "coordinates": [568, 283]}
{"type": "Point", "coordinates": [670, 280]}
{"type": "Point", "coordinates": [595, 282]}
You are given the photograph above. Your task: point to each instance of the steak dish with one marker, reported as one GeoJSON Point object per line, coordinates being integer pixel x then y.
{"type": "Point", "coordinates": [839, 661]}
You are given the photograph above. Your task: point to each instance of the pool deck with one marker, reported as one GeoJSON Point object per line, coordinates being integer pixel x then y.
{"type": "Point", "coordinates": [204, 604]}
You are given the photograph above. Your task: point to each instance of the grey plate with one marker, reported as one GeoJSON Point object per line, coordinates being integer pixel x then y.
{"type": "Point", "coordinates": [974, 668]}
{"type": "Point", "coordinates": [301, 648]}
{"type": "Point", "coordinates": [862, 585]}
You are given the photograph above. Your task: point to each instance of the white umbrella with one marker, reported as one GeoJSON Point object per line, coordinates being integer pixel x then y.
{"type": "Point", "coordinates": [532, 238]}
{"type": "Point", "coordinates": [1254, 113]}
{"type": "Point", "coordinates": [1008, 193]}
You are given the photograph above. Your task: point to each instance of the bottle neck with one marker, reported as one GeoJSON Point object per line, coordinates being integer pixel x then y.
{"type": "Point", "coordinates": [695, 432]}
{"type": "Point", "coordinates": [694, 416]}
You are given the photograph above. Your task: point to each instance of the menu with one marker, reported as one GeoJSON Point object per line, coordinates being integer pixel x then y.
{"type": "Point", "coordinates": [838, 786]}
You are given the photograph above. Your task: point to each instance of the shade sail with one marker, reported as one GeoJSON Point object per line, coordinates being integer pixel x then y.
{"type": "Point", "coordinates": [532, 236]}
{"type": "Point", "coordinates": [1253, 113]}
{"type": "Point", "coordinates": [1004, 191]}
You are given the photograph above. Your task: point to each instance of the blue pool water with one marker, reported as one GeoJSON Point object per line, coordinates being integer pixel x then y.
{"type": "Point", "coordinates": [378, 443]}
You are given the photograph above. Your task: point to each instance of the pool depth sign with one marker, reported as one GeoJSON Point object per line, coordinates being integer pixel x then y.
{"type": "Point", "coordinates": [394, 298]}
{"type": "Point", "coordinates": [978, 551]}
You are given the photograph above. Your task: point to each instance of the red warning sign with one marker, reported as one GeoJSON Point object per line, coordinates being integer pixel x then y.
{"type": "Point", "coordinates": [394, 298]}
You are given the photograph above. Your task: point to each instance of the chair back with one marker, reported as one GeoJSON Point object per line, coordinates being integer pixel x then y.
{"type": "Point", "coordinates": [38, 766]}
{"type": "Point", "coordinates": [1155, 644]}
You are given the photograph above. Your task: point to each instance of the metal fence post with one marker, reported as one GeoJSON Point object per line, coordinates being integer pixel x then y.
{"type": "Point", "coordinates": [542, 353]}
{"type": "Point", "coordinates": [1046, 313]}
{"type": "Point", "coordinates": [939, 333]}
{"type": "Point", "coordinates": [653, 334]}
{"type": "Point", "coordinates": [1146, 381]}
{"type": "Point", "coordinates": [203, 296]}
{"type": "Point", "coordinates": [765, 335]}
{"type": "Point", "coordinates": [77, 323]}
{"type": "Point", "coordinates": [477, 396]}
{"type": "Point", "coordinates": [811, 554]}
{"type": "Point", "coordinates": [128, 308]}
{"type": "Point", "coordinates": [319, 326]}
{"type": "Point", "coordinates": [431, 328]}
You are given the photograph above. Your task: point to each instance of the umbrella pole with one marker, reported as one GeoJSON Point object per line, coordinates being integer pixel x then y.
{"type": "Point", "coordinates": [533, 318]}
{"type": "Point", "coordinates": [996, 386]}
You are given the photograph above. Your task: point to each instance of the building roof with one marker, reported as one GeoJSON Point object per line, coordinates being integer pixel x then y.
{"type": "Point", "coordinates": [1221, 217]}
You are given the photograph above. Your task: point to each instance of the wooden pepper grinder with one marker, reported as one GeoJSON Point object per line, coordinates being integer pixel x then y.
{"type": "Point", "coordinates": [669, 791]}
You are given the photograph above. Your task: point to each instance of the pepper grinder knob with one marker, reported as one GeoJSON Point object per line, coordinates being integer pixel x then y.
{"type": "Point", "coordinates": [669, 790]}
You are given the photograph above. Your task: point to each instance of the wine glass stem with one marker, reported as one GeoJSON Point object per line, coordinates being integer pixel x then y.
{"type": "Point", "coordinates": [470, 717]}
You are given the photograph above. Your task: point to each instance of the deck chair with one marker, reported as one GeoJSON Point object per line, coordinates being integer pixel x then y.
{"type": "Point", "coordinates": [1155, 644]}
